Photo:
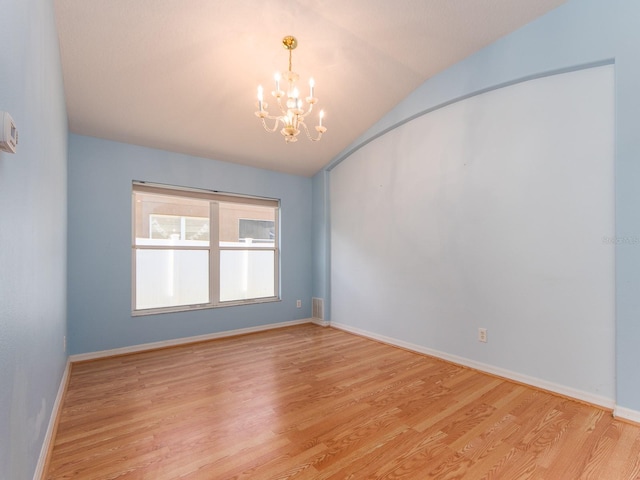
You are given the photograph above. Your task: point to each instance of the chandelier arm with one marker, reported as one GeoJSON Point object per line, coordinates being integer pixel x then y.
{"type": "Point", "coordinates": [271, 117]}
{"type": "Point", "coordinates": [283, 110]}
{"type": "Point", "coordinates": [306, 130]}
{"type": "Point", "coordinates": [275, 125]}
{"type": "Point", "coordinates": [305, 114]}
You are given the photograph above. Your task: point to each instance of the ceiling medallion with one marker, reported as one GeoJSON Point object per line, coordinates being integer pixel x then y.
{"type": "Point", "coordinates": [293, 110]}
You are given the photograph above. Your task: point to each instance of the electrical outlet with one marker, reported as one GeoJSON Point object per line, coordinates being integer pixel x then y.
{"type": "Point", "coordinates": [298, 303]}
{"type": "Point", "coordinates": [482, 335]}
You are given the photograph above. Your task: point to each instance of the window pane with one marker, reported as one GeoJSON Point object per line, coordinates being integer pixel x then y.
{"type": "Point", "coordinates": [247, 225]}
{"type": "Point", "coordinates": [246, 274]}
{"type": "Point", "coordinates": [168, 278]}
{"type": "Point", "coordinates": [169, 220]}
{"type": "Point", "coordinates": [257, 231]}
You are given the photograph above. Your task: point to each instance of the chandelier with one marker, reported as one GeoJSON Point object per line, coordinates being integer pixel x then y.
{"type": "Point", "coordinates": [292, 109]}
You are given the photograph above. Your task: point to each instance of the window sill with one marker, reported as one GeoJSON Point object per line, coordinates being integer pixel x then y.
{"type": "Point", "coordinates": [189, 308]}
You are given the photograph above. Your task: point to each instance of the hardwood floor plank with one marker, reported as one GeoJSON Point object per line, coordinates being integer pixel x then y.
{"type": "Point", "coordinates": [458, 401]}
{"type": "Point", "coordinates": [499, 415]}
{"type": "Point", "coordinates": [308, 402]}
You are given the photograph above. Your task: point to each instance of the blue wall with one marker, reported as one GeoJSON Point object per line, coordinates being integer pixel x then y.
{"type": "Point", "coordinates": [32, 234]}
{"type": "Point", "coordinates": [99, 243]}
{"type": "Point", "coordinates": [321, 283]}
{"type": "Point", "coordinates": [579, 33]}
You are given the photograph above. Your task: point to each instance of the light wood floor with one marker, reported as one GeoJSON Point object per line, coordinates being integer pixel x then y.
{"type": "Point", "coordinates": [308, 402]}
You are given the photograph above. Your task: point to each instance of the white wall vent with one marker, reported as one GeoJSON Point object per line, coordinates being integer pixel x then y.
{"type": "Point", "coordinates": [317, 308]}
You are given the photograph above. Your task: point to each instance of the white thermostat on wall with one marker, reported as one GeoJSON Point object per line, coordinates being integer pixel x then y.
{"type": "Point", "coordinates": [8, 133]}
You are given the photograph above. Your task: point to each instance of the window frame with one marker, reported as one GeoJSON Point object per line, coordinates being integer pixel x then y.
{"type": "Point", "coordinates": [214, 248]}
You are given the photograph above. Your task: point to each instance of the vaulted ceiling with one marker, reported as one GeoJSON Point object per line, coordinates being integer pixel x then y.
{"type": "Point", "coordinates": [181, 75]}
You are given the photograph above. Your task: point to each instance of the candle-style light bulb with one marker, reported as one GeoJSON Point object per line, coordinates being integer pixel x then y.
{"type": "Point", "coordinates": [321, 116]}
{"type": "Point", "coordinates": [260, 97]}
{"type": "Point", "coordinates": [277, 79]}
{"type": "Point", "coordinates": [311, 85]}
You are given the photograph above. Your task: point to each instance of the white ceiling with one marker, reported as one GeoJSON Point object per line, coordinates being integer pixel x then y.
{"type": "Point", "coordinates": [181, 75]}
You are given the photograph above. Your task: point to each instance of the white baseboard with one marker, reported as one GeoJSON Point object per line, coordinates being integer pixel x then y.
{"type": "Point", "coordinates": [627, 414]}
{"type": "Point", "coordinates": [320, 322]}
{"type": "Point", "coordinates": [182, 341]}
{"type": "Point", "coordinates": [49, 434]}
{"type": "Point", "coordinates": [563, 390]}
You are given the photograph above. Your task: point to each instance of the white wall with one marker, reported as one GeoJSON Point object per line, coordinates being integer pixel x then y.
{"type": "Point", "coordinates": [491, 212]}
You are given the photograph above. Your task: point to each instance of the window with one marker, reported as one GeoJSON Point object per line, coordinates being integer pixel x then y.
{"type": "Point", "coordinates": [199, 249]}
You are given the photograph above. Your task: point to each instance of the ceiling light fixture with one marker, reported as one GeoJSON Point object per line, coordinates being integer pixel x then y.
{"type": "Point", "coordinates": [292, 111]}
